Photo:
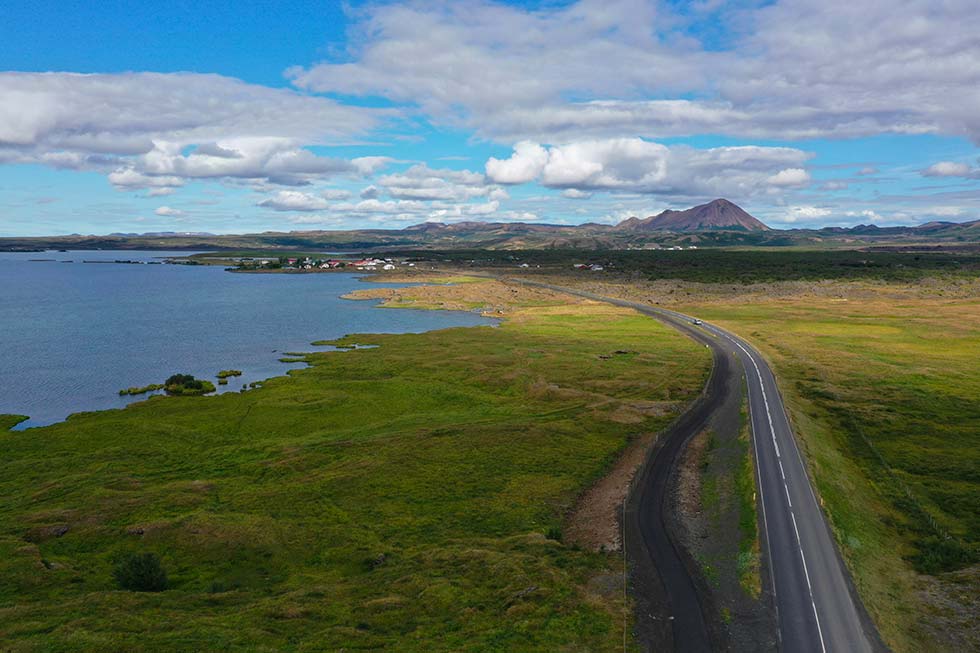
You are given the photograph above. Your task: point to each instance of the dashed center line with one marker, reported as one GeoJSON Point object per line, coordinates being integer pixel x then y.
{"type": "Point", "coordinates": [772, 432]}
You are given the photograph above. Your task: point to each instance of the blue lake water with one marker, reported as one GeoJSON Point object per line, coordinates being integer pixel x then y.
{"type": "Point", "coordinates": [73, 334]}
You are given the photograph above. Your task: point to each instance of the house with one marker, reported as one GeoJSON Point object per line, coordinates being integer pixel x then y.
{"type": "Point", "coordinates": [388, 266]}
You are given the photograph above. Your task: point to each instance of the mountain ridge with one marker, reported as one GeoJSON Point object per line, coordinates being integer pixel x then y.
{"type": "Point", "coordinates": [719, 223]}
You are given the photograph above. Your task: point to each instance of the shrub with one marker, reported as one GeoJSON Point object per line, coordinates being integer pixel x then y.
{"type": "Point", "coordinates": [141, 573]}
{"type": "Point", "coordinates": [938, 554]}
{"type": "Point", "coordinates": [180, 379]}
{"type": "Point", "coordinates": [186, 384]}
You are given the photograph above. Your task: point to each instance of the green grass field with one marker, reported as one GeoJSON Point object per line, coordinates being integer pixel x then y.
{"type": "Point", "coordinates": [397, 497]}
{"type": "Point", "coordinates": [883, 392]}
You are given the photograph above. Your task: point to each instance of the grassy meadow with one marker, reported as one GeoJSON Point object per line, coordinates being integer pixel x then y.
{"type": "Point", "coordinates": [404, 497]}
{"type": "Point", "coordinates": [882, 386]}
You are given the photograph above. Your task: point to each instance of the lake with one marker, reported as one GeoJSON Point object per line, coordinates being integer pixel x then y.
{"type": "Point", "coordinates": [73, 334]}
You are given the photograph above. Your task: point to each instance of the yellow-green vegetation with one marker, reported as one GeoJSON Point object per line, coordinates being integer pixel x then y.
{"type": "Point", "coordinates": [224, 374]}
{"type": "Point", "coordinates": [882, 386]}
{"type": "Point", "coordinates": [140, 390]}
{"type": "Point", "coordinates": [396, 497]}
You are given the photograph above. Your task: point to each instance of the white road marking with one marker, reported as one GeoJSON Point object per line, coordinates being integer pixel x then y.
{"type": "Point", "coordinates": [772, 431]}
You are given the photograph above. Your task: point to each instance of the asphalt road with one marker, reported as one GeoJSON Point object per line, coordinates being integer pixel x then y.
{"type": "Point", "coordinates": [815, 603]}
{"type": "Point", "coordinates": [817, 607]}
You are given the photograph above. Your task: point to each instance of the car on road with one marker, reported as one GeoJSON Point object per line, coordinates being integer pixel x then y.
{"type": "Point", "coordinates": [696, 321]}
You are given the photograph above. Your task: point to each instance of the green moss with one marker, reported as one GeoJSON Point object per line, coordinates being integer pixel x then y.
{"type": "Point", "coordinates": [224, 374]}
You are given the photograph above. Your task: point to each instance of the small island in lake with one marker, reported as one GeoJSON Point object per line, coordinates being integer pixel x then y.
{"type": "Point", "coordinates": [141, 390]}
{"type": "Point", "coordinates": [180, 385]}
{"type": "Point", "coordinates": [186, 385]}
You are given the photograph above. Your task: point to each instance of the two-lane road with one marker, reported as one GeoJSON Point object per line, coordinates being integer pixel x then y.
{"type": "Point", "coordinates": [816, 606]}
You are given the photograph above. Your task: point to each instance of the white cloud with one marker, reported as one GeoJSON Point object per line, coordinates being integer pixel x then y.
{"type": "Point", "coordinates": [803, 214]}
{"type": "Point", "coordinates": [509, 72]}
{"type": "Point", "coordinates": [291, 200]}
{"type": "Point", "coordinates": [128, 178]}
{"type": "Point", "coordinates": [639, 166]}
{"type": "Point", "coordinates": [322, 220]}
{"type": "Point", "coordinates": [368, 165]}
{"type": "Point", "coordinates": [868, 214]}
{"type": "Point", "coordinates": [952, 169]}
{"type": "Point", "coordinates": [421, 182]}
{"type": "Point", "coordinates": [168, 212]}
{"type": "Point", "coordinates": [525, 164]}
{"type": "Point", "coordinates": [575, 194]}
{"type": "Point", "coordinates": [790, 177]}
{"type": "Point", "coordinates": [335, 194]}
{"type": "Point", "coordinates": [158, 130]}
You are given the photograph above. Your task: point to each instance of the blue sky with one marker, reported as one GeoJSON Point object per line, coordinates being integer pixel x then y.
{"type": "Point", "coordinates": [233, 117]}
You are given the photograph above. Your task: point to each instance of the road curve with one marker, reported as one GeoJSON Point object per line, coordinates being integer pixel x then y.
{"type": "Point", "coordinates": [817, 607]}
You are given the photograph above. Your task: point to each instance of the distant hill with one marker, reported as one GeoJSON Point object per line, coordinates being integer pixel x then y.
{"type": "Point", "coordinates": [719, 223]}
{"type": "Point", "coordinates": [717, 214]}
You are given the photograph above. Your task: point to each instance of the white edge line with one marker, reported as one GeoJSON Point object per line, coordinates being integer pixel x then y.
{"type": "Point", "coordinates": [772, 430]}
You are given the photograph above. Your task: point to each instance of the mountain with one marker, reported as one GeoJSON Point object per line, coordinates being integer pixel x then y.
{"type": "Point", "coordinates": [717, 214]}
{"type": "Point", "coordinates": [716, 224]}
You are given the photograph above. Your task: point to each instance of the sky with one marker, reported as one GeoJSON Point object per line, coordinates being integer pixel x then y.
{"type": "Point", "coordinates": [234, 117]}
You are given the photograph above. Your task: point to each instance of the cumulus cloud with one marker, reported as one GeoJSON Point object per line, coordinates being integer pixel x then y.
{"type": "Point", "coordinates": [869, 214]}
{"type": "Point", "coordinates": [168, 212]}
{"type": "Point", "coordinates": [291, 200]}
{"type": "Point", "coordinates": [420, 182]}
{"type": "Point", "coordinates": [952, 169]}
{"type": "Point", "coordinates": [525, 164]}
{"type": "Point", "coordinates": [803, 214]}
{"type": "Point", "coordinates": [129, 178]}
{"type": "Point", "coordinates": [476, 55]}
{"type": "Point", "coordinates": [150, 130]}
{"type": "Point", "coordinates": [790, 177]}
{"type": "Point", "coordinates": [509, 71]}
{"type": "Point", "coordinates": [636, 165]}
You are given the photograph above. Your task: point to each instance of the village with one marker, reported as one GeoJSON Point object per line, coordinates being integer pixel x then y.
{"type": "Point", "coordinates": [310, 264]}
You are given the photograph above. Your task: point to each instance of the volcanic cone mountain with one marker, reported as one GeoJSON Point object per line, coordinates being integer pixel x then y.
{"type": "Point", "coordinates": [717, 214]}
